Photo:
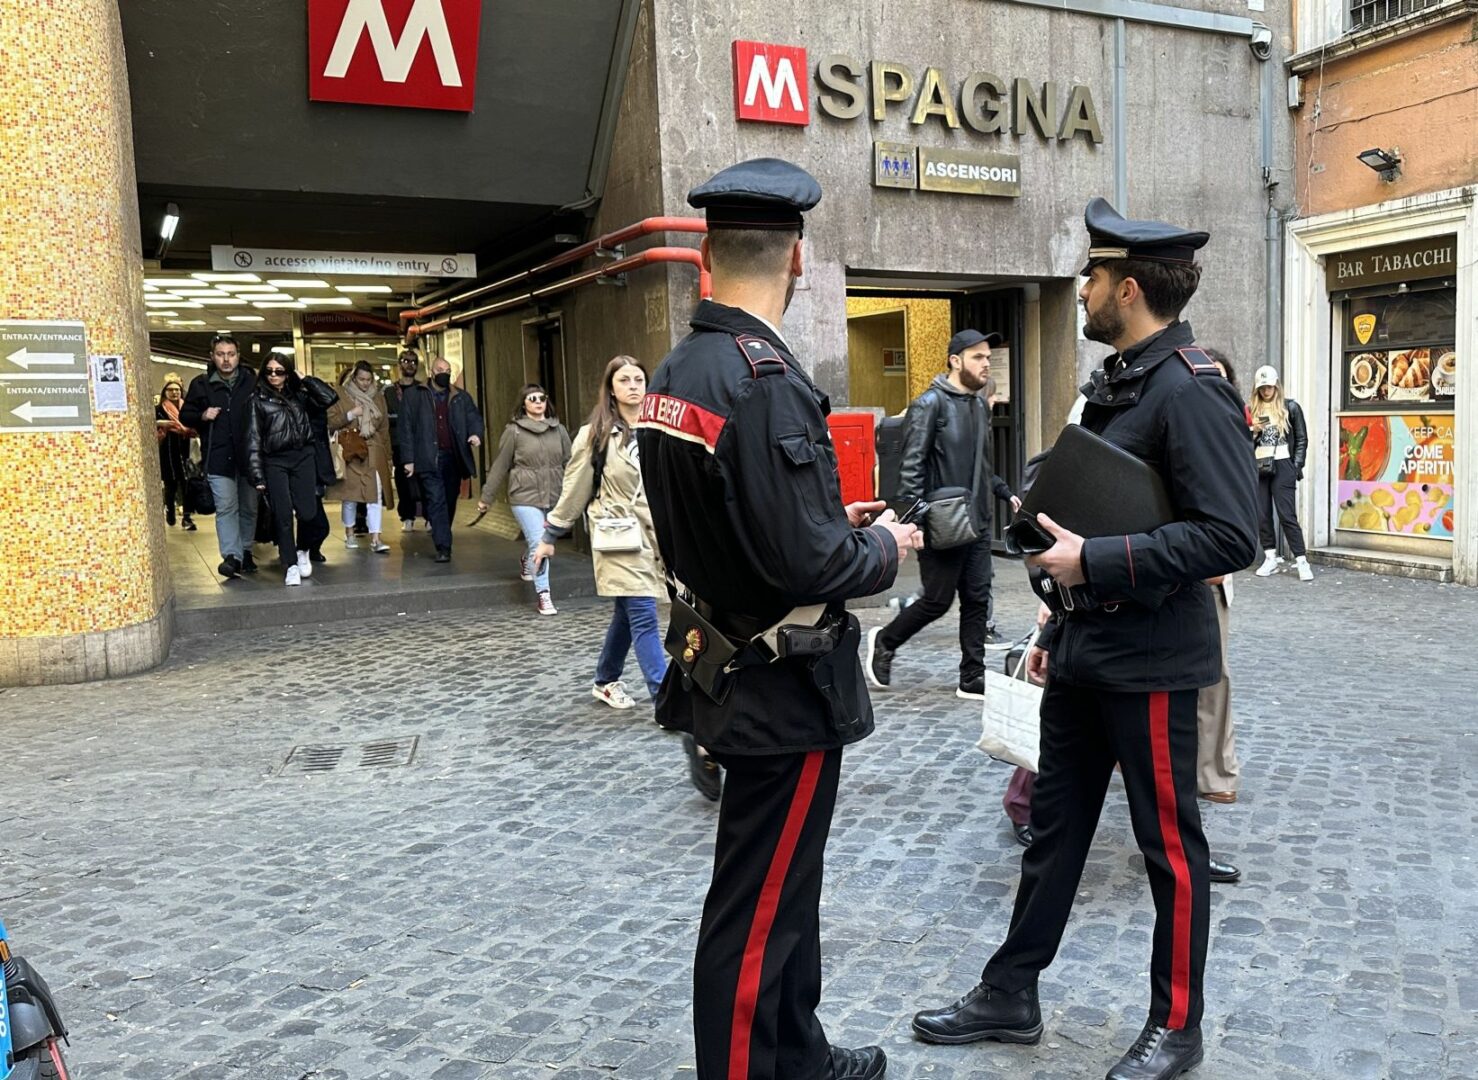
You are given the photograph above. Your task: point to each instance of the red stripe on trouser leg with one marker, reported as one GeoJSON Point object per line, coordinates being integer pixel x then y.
{"type": "Point", "coordinates": [746, 994]}
{"type": "Point", "coordinates": [1180, 929]}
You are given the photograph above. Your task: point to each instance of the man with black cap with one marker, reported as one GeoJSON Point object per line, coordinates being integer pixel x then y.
{"type": "Point", "coordinates": [946, 444]}
{"type": "Point", "coordinates": [742, 481]}
{"type": "Point", "coordinates": [1125, 661]}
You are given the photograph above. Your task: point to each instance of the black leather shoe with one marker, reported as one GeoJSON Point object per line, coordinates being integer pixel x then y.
{"type": "Point", "coordinates": [1023, 833]}
{"type": "Point", "coordinates": [230, 567]}
{"type": "Point", "coordinates": [984, 1013]}
{"type": "Point", "coordinates": [703, 771]}
{"type": "Point", "coordinates": [443, 555]}
{"type": "Point", "coordinates": [993, 636]}
{"type": "Point", "coordinates": [864, 1063]}
{"type": "Point", "coordinates": [879, 664]}
{"type": "Point", "coordinates": [1159, 1054]}
{"type": "Point", "coordinates": [1223, 872]}
{"type": "Point", "coordinates": [317, 556]}
{"type": "Point", "coordinates": [248, 564]}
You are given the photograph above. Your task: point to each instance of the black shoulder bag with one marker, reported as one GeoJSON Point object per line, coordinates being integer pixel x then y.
{"type": "Point", "coordinates": [952, 520]}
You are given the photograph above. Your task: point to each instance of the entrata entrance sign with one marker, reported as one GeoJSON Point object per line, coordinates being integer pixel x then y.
{"type": "Point", "coordinates": [43, 376]}
{"type": "Point", "coordinates": [771, 83]}
{"type": "Point", "coordinates": [417, 54]}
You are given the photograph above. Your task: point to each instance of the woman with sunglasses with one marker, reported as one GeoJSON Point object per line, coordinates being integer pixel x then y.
{"type": "Point", "coordinates": [531, 459]}
{"type": "Point", "coordinates": [280, 457]}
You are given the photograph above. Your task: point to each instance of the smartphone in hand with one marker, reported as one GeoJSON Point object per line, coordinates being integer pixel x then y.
{"type": "Point", "coordinates": [909, 511]}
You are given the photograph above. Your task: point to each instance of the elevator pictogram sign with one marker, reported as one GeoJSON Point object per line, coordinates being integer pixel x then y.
{"type": "Point", "coordinates": [418, 54]}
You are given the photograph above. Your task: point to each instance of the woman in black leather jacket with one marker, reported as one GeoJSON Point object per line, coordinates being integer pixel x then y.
{"type": "Point", "coordinates": [280, 456]}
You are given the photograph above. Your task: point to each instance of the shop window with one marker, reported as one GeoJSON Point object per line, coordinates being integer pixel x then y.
{"type": "Point", "coordinates": [1367, 13]}
{"type": "Point", "coordinates": [1398, 371]}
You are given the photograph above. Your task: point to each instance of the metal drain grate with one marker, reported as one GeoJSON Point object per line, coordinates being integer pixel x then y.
{"type": "Point", "coordinates": [379, 754]}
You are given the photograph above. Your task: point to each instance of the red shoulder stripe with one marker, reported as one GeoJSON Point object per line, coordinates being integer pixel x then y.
{"type": "Point", "coordinates": [681, 419]}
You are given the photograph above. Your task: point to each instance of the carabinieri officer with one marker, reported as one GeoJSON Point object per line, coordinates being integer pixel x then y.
{"type": "Point", "coordinates": [742, 482]}
{"type": "Point", "coordinates": [1124, 665]}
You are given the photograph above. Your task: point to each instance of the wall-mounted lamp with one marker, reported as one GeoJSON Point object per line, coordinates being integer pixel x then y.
{"type": "Point", "coordinates": [1387, 163]}
{"type": "Point", "coordinates": [167, 227]}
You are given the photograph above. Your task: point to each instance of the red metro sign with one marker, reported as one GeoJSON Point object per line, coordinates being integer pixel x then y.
{"type": "Point", "coordinates": [771, 83]}
{"type": "Point", "coordinates": [415, 54]}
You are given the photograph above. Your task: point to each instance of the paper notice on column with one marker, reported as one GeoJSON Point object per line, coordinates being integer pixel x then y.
{"type": "Point", "coordinates": [109, 391]}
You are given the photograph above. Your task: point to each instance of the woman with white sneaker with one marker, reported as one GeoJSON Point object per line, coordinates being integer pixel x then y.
{"type": "Point", "coordinates": [532, 455]}
{"type": "Point", "coordinates": [603, 484]}
{"type": "Point", "coordinates": [361, 420]}
{"type": "Point", "coordinates": [1281, 445]}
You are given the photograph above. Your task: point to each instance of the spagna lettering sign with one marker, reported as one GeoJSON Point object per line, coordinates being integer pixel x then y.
{"type": "Point", "coordinates": [771, 85]}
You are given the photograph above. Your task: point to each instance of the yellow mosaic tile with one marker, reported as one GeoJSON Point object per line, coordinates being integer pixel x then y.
{"type": "Point", "coordinates": [82, 513]}
{"type": "Point", "coordinates": [928, 323]}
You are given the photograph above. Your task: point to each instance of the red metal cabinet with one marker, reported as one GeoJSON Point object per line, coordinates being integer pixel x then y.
{"type": "Point", "coordinates": [852, 436]}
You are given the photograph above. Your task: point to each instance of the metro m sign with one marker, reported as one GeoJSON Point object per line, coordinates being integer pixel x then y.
{"type": "Point", "coordinates": [417, 54]}
{"type": "Point", "coordinates": [771, 83]}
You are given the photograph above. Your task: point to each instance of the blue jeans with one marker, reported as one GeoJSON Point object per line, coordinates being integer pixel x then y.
{"type": "Point", "coordinates": [236, 514]}
{"type": "Point", "coordinates": [634, 621]}
{"type": "Point", "coordinates": [531, 522]}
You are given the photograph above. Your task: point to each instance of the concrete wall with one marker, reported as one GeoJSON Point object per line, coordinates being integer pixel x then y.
{"type": "Point", "coordinates": [1193, 151]}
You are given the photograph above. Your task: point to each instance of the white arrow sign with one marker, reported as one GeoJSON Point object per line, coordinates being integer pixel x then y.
{"type": "Point", "coordinates": [23, 357]}
{"type": "Point", "coordinates": [30, 413]}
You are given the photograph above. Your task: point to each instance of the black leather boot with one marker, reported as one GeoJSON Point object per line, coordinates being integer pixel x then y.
{"type": "Point", "coordinates": [864, 1063]}
{"type": "Point", "coordinates": [984, 1013]}
{"type": "Point", "coordinates": [1159, 1054]}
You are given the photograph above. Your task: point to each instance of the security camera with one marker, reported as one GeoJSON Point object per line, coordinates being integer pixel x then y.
{"type": "Point", "coordinates": [1261, 41]}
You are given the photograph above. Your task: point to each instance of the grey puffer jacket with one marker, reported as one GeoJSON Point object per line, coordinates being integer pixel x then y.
{"type": "Point", "coordinates": [531, 457]}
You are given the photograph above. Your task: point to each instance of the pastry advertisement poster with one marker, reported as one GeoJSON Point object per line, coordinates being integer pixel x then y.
{"type": "Point", "coordinates": [1395, 475]}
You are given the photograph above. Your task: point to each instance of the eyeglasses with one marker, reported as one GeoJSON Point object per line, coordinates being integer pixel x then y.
{"type": "Point", "coordinates": [536, 399]}
{"type": "Point", "coordinates": [275, 372]}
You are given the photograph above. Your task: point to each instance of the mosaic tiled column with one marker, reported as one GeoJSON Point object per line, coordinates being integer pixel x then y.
{"type": "Point", "coordinates": [84, 586]}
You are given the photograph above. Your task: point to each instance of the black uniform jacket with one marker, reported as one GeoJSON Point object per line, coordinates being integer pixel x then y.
{"type": "Point", "coordinates": [742, 482]}
{"type": "Point", "coordinates": [942, 435]}
{"type": "Point", "coordinates": [1193, 429]}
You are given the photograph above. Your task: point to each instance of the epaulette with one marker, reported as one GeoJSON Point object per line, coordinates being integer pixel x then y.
{"type": "Point", "coordinates": [764, 358]}
{"type": "Point", "coordinates": [1196, 359]}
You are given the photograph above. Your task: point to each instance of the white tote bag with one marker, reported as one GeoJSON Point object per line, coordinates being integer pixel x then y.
{"type": "Point", "coordinates": [1011, 723]}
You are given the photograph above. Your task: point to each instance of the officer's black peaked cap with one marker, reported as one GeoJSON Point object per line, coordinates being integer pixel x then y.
{"type": "Point", "coordinates": [1113, 236]}
{"type": "Point", "coordinates": [763, 193]}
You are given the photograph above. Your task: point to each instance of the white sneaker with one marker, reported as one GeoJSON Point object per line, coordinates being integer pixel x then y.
{"type": "Point", "coordinates": [349, 541]}
{"type": "Point", "coordinates": [305, 565]}
{"type": "Point", "coordinates": [1305, 571]}
{"type": "Point", "coordinates": [379, 547]}
{"type": "Point", "coordinates": [408, 525]}
{"type": "Point", "coordinates": [292, 577]}
{"type": "Point", "coordinates": [546, 607]}
{"type": "Point", "coordinates": [613, 694]}
{"type": "Point", "coordinates": [1271, 564]}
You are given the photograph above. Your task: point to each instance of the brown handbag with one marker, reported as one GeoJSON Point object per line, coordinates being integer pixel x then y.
{"type": "Point", "coordinates": [354, 445]}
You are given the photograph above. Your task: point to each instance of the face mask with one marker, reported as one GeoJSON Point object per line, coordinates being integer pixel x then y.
{"type": "Point", "coordinates": [443, 379]}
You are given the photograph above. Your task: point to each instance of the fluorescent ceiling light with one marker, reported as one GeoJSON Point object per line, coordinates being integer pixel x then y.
{"type": "Point", "coordinates": [186, 322]}
{"type": "Point", "coordinates": [233, 301]}
{"type": "Point", "coordinates": [167, 282]}
{"type": "Point", "coordinates": [283, 350]}
{"type": "Point", "coordinates": [320, 301]}
{"type": "Point", "coordinates": [161, 302]}
{"type": "Point", "coordinates": [275, 304]}
{"type": "Point", "coordinates": [188, 304]}
{"type": "Point", "coordinates": [225, 277]}
{"type": "Point", "coordinates": [171, 221]}
{"type": "Point", "coordinates": [364, 288]}
{"type": "Point", "coordinates": [301, 283]}
{"type": "Point", "coordinates": [174, 361]}
{"type": "Point", "coordinates": [162, 314]}
{"type": "Point", "coordinates": [195, 289]}
{"type": "Point", "coordinates": [150, 288]}
{"type": "Point", "coordinates": [246, 318]}
{"type": "Point", "coordinates": [253, 288]}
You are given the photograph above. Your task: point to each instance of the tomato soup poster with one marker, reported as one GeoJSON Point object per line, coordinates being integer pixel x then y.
{"type": "Point", "coordinates": [1395, 475]}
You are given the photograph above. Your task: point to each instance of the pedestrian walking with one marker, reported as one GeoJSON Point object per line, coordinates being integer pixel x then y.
{"type": "Point", "coordinates": [1124, 661]}
{"type": "Point", "coordinates": [946, 460]}
{"type": "Point", "coordinates": [407, 491]}
{"type": "Point", "coordinates": [174, 450]}
{"type": "Point", "coordinates": [531, 460]}
{"type": "Point", "coordinates": [360, 418]}
{"type": "Point", "coordinates": [603, 484]}
{"type": "Point", "coordinates": [1281, 441]}
{"type": "Point", "coordinates": [217, 405]}
{"type": "Point", "coordinates": [440, 430]}
{"type": "Point", "coordinates": [747, 503]}
{"type": "Point", "coordinates": [280, 458]}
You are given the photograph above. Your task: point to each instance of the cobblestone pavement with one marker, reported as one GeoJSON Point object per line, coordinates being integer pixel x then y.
{"type": "Point", "coordinates": [522, 900]}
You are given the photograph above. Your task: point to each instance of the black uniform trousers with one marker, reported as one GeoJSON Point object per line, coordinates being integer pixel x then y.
{"type": "Point", "coordinates": [292, 489]}
{"type": "Point", "coordinates": [964, 571]}
{"type": "Point", "coordinates": [1152, 736]}
{"type": "Point", "coordinates": [757, 970]}
{"type": "Point", "coordinates": [1278, 491]}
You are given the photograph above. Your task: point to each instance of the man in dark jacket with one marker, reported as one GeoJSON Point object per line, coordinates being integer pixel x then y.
{"type": "Point", "coordinates": [439, 429]}
{"type": "Point", "coordinates": [742, 480]}
{"type": "Point", "coordinates": [218, 406]}
{"type": "Point", "coordinates": [946, 443]}
{"type": "Point", "coordinates": [1130, 654]}
{"type": "Point", "coordinates": [407, 490]}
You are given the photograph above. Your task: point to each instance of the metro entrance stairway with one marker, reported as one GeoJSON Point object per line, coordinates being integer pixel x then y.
{"type": "Point", "coordinates": [356, 583]}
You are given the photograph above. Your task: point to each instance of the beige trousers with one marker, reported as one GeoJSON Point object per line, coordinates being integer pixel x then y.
{"type": "Point", "coordinates": [1217, 768]}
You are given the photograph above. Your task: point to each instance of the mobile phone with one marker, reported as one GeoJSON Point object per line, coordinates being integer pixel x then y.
{"type": "Point", "coordinates": [908, 511]}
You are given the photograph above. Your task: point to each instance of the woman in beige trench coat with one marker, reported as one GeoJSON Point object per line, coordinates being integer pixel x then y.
{"type": "Point", "coordinates": [367, 480]}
